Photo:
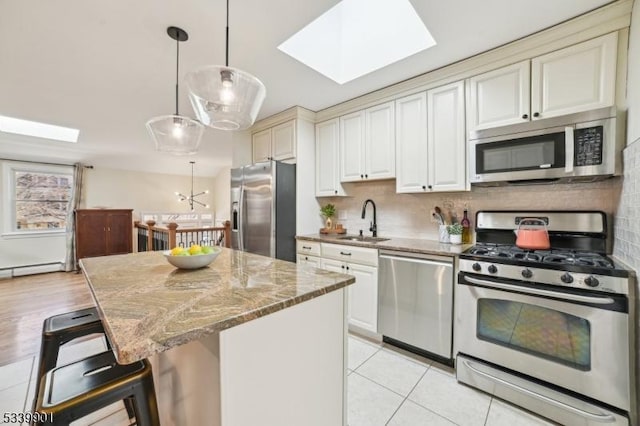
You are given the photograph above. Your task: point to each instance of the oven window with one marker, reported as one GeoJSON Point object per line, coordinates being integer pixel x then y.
{"type": "Point", "coordinates": [539, 331]}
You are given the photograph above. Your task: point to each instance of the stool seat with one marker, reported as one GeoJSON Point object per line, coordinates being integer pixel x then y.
{"type": "Point", "coordinates": [71, 322]}
{"type": "Point", "coordinates": [72, 391]}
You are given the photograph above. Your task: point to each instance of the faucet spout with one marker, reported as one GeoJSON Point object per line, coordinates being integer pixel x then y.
{"type": "Point", "coordinates": [373, 226]}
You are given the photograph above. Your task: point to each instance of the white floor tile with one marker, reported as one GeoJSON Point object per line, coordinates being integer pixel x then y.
{"type": "Point", "coordinates": [505, 414]}
{"type": "Point", "coordinates": [443, 395]}
{"type": "Point", "coordinates": [369, 404]}
{"type": "Point", "coordinates": [12, 400]}
{"type": "Point", "coordinates": [411, 414]}
{"type": "Point", "coordinates": [409, 355]}
{"type": "Point", "coordinates": [392, 371]}
{"type": "Point", "coordinates": [16, 373]}
{"type": "Point", "coordinates": [359, 351]}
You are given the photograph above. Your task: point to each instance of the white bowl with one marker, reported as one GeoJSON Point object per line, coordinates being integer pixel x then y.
{"type": "Point", "coordinates": [192, 262]}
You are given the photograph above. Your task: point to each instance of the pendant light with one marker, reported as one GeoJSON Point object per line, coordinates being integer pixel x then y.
{"type": "Point", "coordinates": [225, 98]}
{"type": "Point", "coordinates": [191, 199]}
{"type": "Point", "coordinates": [176, 134]}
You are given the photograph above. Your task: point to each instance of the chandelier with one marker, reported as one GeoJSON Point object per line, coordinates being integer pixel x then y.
{"type": "Point", "coordinates": [191, 198]}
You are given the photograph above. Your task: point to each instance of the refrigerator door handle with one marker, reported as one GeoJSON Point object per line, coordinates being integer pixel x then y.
{"type": "Point", "coordinates": [242, 220]}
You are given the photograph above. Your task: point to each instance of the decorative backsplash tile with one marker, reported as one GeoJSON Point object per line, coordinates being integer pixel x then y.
{"type": "Point", "coordinates": [409, 215]}
{"type": "Point", "coordinates": [626, 244]}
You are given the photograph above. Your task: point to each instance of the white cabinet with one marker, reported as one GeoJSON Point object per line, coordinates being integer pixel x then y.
{"type": "Point", "coordinates": [499, 97]}
{"type": "Point", "coordinates": [367, 144]}
{"type": "Point", "coordinates": [328, 159]}
{"type": "Point", "coordinates": [308, 253]}
{"type": "Point", "coordinates": [446, 138]}
{"type": "Point", "coordinates": [363, 294]}
{"type": "Point", "coordinates": [277, 142]}
{"type": "Point", "coordinates": [430, 141]}
{"type": "Point", "coordinates": [574, 79]}
{"type": "Point", "coordinates": [306, 260]}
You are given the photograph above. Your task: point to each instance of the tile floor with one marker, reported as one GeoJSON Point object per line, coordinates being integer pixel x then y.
{"type": "Point", "coordinates": [386, 386]}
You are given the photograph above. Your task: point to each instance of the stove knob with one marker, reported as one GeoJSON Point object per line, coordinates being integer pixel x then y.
{"type": "Point", "coordinates": [476, 267]}
{"type": "Point", "coordinates": [526, 272]}
{"type": "Point", "coordinates": [591, 281]}
{"type": "Point", "coordinates": [493, 269]}
{"type": "Point", "coordinates": [566, 278]}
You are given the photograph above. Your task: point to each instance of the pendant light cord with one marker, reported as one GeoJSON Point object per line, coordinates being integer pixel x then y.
{"type": "Point", "coordinates": [227, 37]}
{"type": "Point", "coordinates": [177, 69]}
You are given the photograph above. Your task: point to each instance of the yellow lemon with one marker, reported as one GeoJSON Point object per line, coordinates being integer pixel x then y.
{"type": "Point", "coordinates": [176, 251]}
{"type": "Point", "coordinates": [195, 249]}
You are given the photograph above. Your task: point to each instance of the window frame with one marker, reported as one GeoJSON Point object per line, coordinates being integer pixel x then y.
{"type": "Point", "coordinates": [9, 169]}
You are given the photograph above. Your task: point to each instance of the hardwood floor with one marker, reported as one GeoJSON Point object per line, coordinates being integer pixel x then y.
{"type": "Point", "coordinates": [26, 301]}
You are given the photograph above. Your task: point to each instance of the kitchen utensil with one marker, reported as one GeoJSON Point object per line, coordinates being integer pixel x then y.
{"type": "Point", "coordinates": [532, 236]}
{"type": "Point", "coordinates": [438, 213]}
{"type": "Point", "coordinates": [438, 218]}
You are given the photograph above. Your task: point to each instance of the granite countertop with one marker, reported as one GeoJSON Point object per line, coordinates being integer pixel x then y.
{"type": "Point", "coordinates": [148, 306]}
{"type": "Point", "coordinates": [414, 245]}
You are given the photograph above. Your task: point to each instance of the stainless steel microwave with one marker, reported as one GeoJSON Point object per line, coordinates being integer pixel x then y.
{"type": "Point", "coordinates": [577, 147]}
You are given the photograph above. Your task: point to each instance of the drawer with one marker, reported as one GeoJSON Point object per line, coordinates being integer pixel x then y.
{"type": "Point", "coordinates": [352, 254]}
{"type": "Point", "coordinates": [308, 247]}
{"type": "Point", "coordinates": [304, 259]}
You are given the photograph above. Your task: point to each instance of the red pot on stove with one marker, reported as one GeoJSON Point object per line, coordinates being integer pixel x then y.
{"type": "Point", "coordinates": [532, 234]}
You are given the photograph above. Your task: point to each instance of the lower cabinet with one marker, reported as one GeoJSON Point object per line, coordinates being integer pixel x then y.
{"type": "Point", "coordinates": [362, 263]}
{"type": "Point", "coordinates": [103, 232]}
{"type": "Point", "coordinates": [304, 259]}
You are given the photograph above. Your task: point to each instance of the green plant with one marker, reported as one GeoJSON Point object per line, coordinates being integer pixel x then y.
{"type": "Point", "coordinates": [455, 229]}
{"type": "Point", "coordinates": [328, 210]}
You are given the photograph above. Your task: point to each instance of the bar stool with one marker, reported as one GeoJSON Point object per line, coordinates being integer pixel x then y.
{"type": "Point", "coordinates": [60, 329]}
{"type": "Point", "coordinates": [72, 391]}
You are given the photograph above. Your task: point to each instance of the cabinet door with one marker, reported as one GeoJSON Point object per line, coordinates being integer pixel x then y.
{"type": "Point", "coordinates": [328, 159]}
{"type": "Point", "coordinates": [380, 149]}
{"type": "Point", "coordinates": [446, 136]}
{"type": "Point", "coordinates": [119, 233]}
{"type": "Point", "coordinates": [499, 97]}
{"type": "Point", "coordinates": [352, 147]}
{"type": "Point", "coordinates": [261, 142]}
{"type": "Point", "coordinates": [577, 78]}
{"type": "Point", "coordinates": [283, 141]}
{"type": "Point", "coordinates": [306, 260]}
{"type": "Point", "coordinates": [91, 233]}
{"type": "Point", "coordinates": [363, 297]}
{"type": "Point", "coordinates": [411, 143]}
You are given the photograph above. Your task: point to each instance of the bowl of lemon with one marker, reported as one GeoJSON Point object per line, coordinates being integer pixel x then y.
{"type": "Point", "coordinates": [193, 257]}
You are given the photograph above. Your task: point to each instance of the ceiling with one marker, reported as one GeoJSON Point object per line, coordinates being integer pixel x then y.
{"type": "Point", "coordinates": [106, 67]}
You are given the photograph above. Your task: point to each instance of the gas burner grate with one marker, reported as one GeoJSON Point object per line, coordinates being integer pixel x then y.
{"type": "Point", "coordinates": [552, 256]}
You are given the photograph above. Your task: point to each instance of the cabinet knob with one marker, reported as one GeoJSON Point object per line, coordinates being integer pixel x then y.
{"type": "Point", "coordinates": [536, 114]}
{"type": "Point", "coordinates": [366, 176]}
{"type": "Point", "coordinates": [430, 187]}
{"type": "Point", "coordinates": [361, 176]}
{"type": "Point", "coordinates": [347, 268]}
{"type": "Point", "coordinates": [424, 187]}
{"type": "Point", "coordinates": [525, 116]}
{"type": "Point", "coordinates": [342, 266]}
{"type": "Point", "coordinates": [336, 191]}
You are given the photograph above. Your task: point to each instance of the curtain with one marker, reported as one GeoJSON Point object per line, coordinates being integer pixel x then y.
{"type": "Point", "coordinates": [70, 263]}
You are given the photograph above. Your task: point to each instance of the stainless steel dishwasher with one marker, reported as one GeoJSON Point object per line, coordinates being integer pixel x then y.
{"type": "Point", "coordinates": [415, 302]}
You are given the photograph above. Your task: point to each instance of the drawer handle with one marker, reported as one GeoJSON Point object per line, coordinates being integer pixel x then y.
{"type": "Point", "coordinates": [306, 247]}
{"type": "Point", "coordinates": [345, 254]}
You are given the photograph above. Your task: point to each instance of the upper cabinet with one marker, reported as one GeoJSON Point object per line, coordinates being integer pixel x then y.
{"type": "Point", "coordinates": [367, 144]}
{"type": "Point", "coordinates": [430, 140]}
{"type": "Point", "coordinates": [328, 159]}
{"type": "Point", "coordinates": [275, 143]}
{"type": "Point", "coordinates": [574, 79]}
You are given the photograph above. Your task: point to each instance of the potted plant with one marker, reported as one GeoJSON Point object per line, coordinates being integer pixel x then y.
{"type": "Point", "coordinates": [455, 233]}
{"type": "Point", "coordinates": [328, 211]}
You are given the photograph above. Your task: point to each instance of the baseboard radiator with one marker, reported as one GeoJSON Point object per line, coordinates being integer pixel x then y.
{"type": "Point", "coordinates": [31, 270]}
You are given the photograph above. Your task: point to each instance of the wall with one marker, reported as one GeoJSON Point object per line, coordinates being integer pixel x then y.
{"type": "Point", "coordinates": [409, 215]}
{"type": "Point", "coordinates": [221, 196]}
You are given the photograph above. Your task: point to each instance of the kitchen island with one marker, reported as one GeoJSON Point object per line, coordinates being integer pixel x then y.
{"type": "Point", "coordinates": [247, 340]}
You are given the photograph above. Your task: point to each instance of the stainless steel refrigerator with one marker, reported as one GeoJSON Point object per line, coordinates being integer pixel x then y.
{"type": "Point", "coordinates": [263, 209]}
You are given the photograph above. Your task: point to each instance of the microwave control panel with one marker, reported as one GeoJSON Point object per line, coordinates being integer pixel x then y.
{"type": "Point", "coordinates": [588, 146]}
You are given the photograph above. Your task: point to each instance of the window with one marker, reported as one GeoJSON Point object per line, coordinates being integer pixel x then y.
{"type": "Point", "coordinates": [37, 197]}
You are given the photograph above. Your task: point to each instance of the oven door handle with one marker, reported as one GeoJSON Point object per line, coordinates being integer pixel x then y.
{"type": "Point", "coordinates": [540, 292]}
{"type": "Point", "coordinates": [602, 418]}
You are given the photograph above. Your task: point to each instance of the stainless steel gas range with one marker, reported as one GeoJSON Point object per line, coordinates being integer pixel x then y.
{"type": "Point", "coordinates": [549, 330]}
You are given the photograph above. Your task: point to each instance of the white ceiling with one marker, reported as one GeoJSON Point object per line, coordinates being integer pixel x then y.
{"type": "Point", "coordinates": [106, 67]}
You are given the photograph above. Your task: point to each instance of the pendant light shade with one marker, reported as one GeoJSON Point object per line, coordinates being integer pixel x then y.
{"type": "Point", "coordinates": [176, 134]}
{"type": "Point", "coordinates": [225, 98]}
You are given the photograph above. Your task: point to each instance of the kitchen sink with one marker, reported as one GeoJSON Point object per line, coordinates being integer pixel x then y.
{"type": "Point", "coordinates": [363, 239]}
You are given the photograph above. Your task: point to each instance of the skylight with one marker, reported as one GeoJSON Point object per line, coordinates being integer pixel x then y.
{"type": "Point", "coordinates": [39, 130]}
{"type": "Point", "coordinates": [356, 37]}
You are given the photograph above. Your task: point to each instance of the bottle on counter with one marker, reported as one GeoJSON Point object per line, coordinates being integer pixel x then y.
{"type": "Point", "coordinates": [466, 228]}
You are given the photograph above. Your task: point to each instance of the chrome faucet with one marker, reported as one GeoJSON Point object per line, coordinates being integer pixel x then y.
{"type": "Point", "coordinates": [373, 227]}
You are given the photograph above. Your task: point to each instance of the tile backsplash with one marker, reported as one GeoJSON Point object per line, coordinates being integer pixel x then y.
{"type": "Point", "coordinates": [410, 215]}
{"type": "Point", "coordinates": [626, 243]}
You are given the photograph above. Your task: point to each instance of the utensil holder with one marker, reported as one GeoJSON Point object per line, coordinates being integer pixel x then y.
{"type": "Point", "coordinates": [443, 234]}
